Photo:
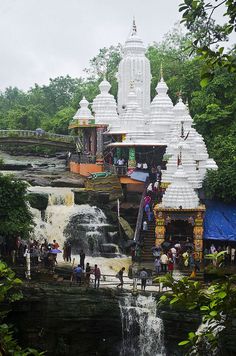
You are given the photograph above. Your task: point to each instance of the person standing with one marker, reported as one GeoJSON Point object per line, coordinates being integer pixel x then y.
{"type": "Point", "coordinates": [87, 274]}
{"type": "Point", "coordinates": [97, 275]}
{"type": "Point", "coordinates": [174, 253]}
{"type": "Point", "coordinates": [170, 265]}
{"type": "Point", "coordinates": [78, 274]}
{"type": "Point", "coordinates": [55, 245]}
{"type": "Point", "coordinates": [185, 256]}
{"type": "Point", "coordinates": [68, 252]}
{"type": "Point", "coordinates": [145, 226]}
{"type": "Point", "coordinates": [232, 255]}
{"type": "Point", "coordinates": [157, 264]}
{"type": "Point", "coordinates": [82, 258]}
{"type": "Point", "coordinates": [143, 276]}
{"type": "Point", "coordinates": [120, 275]}
{"type": "Point", "coordinates": [164, 262]}
{"type": "Point", "coordinates": [138, 253]}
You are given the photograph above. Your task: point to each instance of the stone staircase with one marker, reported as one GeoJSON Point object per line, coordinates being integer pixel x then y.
{"type": "Point", "coordinates": [148, 238]}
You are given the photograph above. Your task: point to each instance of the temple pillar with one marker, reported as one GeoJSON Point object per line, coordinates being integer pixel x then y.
{"type": "Point", "coordinates": [118, 152]}
{"type": "Point", "coordinates": [160, 229]}
{"type": "Point", "coordinates": [131, 161]}
{"type": "Point", "coordinates": [198, 236]}
{"type": "Point", "coordinates": [99, 153]}
{"type": "Point", "coordinates": [93, 142]}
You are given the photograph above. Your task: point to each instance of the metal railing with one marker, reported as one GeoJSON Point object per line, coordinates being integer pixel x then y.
{"type": "Point", "coordinates": [140, 214]}
{"type": "Point", "coordinates": [118, 170]}
{"type": "Point", "coordinates": [39, 135]}
{"type": "Point", "coordinates": [83, 158]}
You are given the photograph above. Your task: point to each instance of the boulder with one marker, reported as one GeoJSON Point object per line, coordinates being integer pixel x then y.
{"type": "Point", "coordinates": [68, 182]}
{"type": "Point", "coordinates": [81, 196]}
{"type": "Point", "coordinates": [38, 181]}
{"type": "Point", "coordinates": [38, 200]}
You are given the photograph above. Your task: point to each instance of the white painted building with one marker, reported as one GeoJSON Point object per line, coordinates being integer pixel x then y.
{"type": "Point", "coordinates": [136, 121]}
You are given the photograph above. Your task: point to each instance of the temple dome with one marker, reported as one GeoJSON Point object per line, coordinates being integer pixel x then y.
{"type": "Point", "coordinates": [104, 105]}
{"type": "Point", "coordinates": [181, 114]}
{"type": "Point", "coordinates": [134, 67]}
{"type": "Point", "coordinates": [180, 193]}
{"type": "Point", "coordinates": [133, 118]}
{"type": "Point", "coordinates": [83, 112]}
{"type": "Point", "coordinates": [161, 111]}
{"type": "Point", "coordinates": [188, 162]}
{"type": "Point", "coordinates": [134, 45]}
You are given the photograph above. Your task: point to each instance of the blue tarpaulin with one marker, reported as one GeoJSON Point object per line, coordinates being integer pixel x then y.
{"type": "Point", "coordinates": [139, 175]}
{"type": "Point", "coordinates": [220, 221]}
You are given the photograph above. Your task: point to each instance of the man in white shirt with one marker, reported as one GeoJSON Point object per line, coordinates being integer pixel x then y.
{"type": "Point", "coordinates": [164, 262]}
{"type": "Point", "coordinates": [121, 162]}
{"type": "Point", "coordinates": [174, 252]}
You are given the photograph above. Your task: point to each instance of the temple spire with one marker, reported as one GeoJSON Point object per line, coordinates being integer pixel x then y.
{"type": "Point", "coordinates": [134, 28]}
{"type": "Point", "coordinates": [161, 71]}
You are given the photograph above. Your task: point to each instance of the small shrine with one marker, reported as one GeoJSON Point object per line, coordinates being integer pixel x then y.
{"type": "Point", "coordinates": [179, 217]}
{"type": "Point", "coordinates": [90, 152]}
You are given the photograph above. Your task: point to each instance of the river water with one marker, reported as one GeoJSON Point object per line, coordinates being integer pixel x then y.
{"type": "Point", "coordinates": [142, 329]}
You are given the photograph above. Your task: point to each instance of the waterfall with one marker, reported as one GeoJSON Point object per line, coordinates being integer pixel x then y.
{"type": "Point", "coordinates": [56, 196]}
{"type": "Point", "coordinates": [84, 226]}
{"type": "Point", "coordinates": [142, 329]}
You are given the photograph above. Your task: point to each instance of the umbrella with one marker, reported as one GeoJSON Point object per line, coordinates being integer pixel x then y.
{"type": "Point", "coordinates": [165, 244]}
{"type": "Point", "coordinates": [189, 244]}
{"type": "Point", "coordinates": [54, 251]}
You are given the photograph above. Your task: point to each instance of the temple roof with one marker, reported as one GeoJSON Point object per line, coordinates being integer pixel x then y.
{"type": "Point", "coordinates": [180, 193]}
{"type": "Point", "coordinates": [104, 105]}
{"type": "Point", "coordinates": [161, 110]}
{"type": "Point", "coordinates": [83, 112]}
{"type": "Point", "coordinates": [134, 44]}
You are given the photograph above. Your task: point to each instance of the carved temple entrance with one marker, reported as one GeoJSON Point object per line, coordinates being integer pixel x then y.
{"type": "Point", "coordinates": [182, 225]}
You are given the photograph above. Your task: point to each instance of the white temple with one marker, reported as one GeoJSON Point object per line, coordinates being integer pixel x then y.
{"type": "Point", "coordinates": [180, 194]}
{"type": "Point", "coordinates": [135, 121]}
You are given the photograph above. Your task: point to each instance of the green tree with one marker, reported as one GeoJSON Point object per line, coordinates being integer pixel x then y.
{"type": "Point", "coordinates": [105, 64]}
{"type": "Point", "coordinates": [9, 292]}
{"type": "Point", "coordinates": [27, 117]}
{"type": "Point", "coordinates": [198, 17]}
{"type": "Point", "coordinates": [15, 216]}
{"type": "Point", "coordinates": [217, 306]}
{"type": "Point", "coordinates": [60, 121]}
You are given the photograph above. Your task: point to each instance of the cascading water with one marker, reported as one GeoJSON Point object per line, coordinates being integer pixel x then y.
{"type": "Point", "coordinates": [141, 328]}
{"type": "Point", "coordinates": [83, 225]}
{"type": "Point", "coordinates": [87, 229]}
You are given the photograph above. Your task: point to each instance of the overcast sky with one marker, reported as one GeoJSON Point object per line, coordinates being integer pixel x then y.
{"type": "Point", "coordinates": [42, 39]}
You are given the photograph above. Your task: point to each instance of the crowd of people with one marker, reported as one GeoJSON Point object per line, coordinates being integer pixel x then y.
{"type": "Point", "coordinates": [83, 275]}
{"type": "Point", "coordinates": [176, 255]}
{"type": "Point", "coordinates": [154, 192]}
{"type": "Point", "coordinates": [44, 253]}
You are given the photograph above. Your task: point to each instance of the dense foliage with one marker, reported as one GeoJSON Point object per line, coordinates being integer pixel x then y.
{"type": "Point", "coordinates": [209, 35]}
{"type": "Point", "coordinates": [212, 107]}
{"type": "Point", "coordinates": [216, 305]}
{"type": "Point", "coordinates": [8, 294]}
{"type": "Point", "coordinates": [15, 216]}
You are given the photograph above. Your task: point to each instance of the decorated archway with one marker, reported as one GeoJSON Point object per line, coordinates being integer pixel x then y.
{"type": "Point", "coordinates": [191, 220]}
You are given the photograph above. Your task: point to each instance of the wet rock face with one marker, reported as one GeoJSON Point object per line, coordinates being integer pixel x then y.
{"type": "Point", "coordinates": [68, 182]}
{"type": "Point", "coordinates": [38, 201]}
{"type": "Point", "coordinates": [87, 230]}
{"type": "Point", "coordinates": [69, 321]}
